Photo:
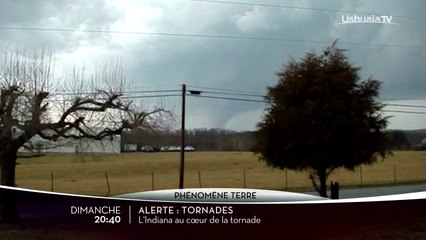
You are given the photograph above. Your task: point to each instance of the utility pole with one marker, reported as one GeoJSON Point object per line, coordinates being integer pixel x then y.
{"type": "Point", "coordinates": [182, 141]}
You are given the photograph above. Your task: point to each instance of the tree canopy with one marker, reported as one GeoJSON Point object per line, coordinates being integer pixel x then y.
{"type": "Point", "coordinates": [320, 116]}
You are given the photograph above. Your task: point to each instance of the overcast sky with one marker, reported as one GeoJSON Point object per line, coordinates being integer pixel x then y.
{"type": "Point", "coordinates": [222, 45]}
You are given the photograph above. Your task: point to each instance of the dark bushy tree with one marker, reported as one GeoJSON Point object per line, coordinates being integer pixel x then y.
{"type": "Point", "coordinates": [321, 117]}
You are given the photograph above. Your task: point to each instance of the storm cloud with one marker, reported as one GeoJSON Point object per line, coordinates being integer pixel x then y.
{"type": "Point", "coordinates": [241, 46]}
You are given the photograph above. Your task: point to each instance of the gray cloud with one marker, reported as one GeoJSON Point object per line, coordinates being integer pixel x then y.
{"type": "Point", "coordinates": [59, 14]}
{"type": "Point", "coordinates": [245, 65]}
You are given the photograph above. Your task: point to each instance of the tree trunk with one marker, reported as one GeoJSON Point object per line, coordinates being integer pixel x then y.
{"type": "Point", "coordinates": [323, 182]}
{"type": "Point", "coordinates": [8, 206]}
{"type": "Point", "coordinates": [321, 175]}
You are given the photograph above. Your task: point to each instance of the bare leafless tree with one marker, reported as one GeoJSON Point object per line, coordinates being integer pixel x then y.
{"type": "Point", "coordinates": [35, 103]}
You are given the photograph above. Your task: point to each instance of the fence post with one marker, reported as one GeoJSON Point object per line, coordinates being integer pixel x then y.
{"type": "Point", "coordinates": [51, 181]}
{"type": "Point", "coordinates": [152, 181]}
{"type": "Point", "coordinates": [244, 175]}
{"type": "Point", "coordinates": [360, 174]}
{"type": "Point", "coordinates": [199, 178]}
{"type": "Point", "coordinates": [286, 179]}
{"type": "Point", "coordinates": [394, 173]}
{"type": "Point", "coordinates": [107, 182]}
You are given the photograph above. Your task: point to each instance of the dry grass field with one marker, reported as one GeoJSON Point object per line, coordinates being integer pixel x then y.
{"type": "Point", "coordinates": [133, 172]}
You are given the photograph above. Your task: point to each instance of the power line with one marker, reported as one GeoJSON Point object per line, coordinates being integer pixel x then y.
{"type": "Point", "coordinates": [124, 97]}
{"type": "Point", "coordinates": [151, 96]}
{"type": "Point", "coordinates": [242, 93]}
{"type": "Point", "coordinates": [233, 37]}
{"type": "Point", "coordinates": [244, 100]}
{"type": "Point", "coordinates": [234, 94]}
{"type": "Point", "coordinates": [401, 99]}
{"type": "Point", "coordinates": [405, 105]}
{"type": "Point", "coordinates": [225, 90]}
{"type": "Point", "coordinates": [263, 95]}
{"type": "Point", "coordinates": [229, 98]}
{"type": "Point", "coordinates": [152, 91]}
{"type": "Point", "coordinates": [222, 92]}
{"type": "Point", "coordinates": [298, 8]}
{"type": "Point", "coordinates": [401, 111]}
{"type": "Point", "coordinates": [123, 92]}
{"type": "Point", "coordinates": [168, 86]}
{"type": "Point", "coordinates": [259, 101]}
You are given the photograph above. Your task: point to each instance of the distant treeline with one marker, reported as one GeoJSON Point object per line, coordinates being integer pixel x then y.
{"type": "Point", "coordinates": [201, 139]}
{"type": "Point", "coordinates": [409, 139]}
{"type": "Point", "coordinates": [227, 140]}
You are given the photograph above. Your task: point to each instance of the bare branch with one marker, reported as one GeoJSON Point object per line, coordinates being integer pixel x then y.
{"type": "Point", "coordinates": [85, 108]}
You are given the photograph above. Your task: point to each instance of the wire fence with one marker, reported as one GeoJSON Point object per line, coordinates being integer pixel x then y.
{"type": "Point", "coordinates": [111, 183]}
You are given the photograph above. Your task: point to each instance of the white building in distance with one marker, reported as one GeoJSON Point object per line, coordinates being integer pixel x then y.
{"type": "Point", "coordinates": [69, 145]}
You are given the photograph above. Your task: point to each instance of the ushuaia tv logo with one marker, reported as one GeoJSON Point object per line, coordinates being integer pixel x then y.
{"type": "Point", "coordinates": [354, 19]}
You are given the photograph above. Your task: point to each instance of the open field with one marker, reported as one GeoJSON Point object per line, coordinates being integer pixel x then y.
{"type": "Point", "coordinates": [133, 172]}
